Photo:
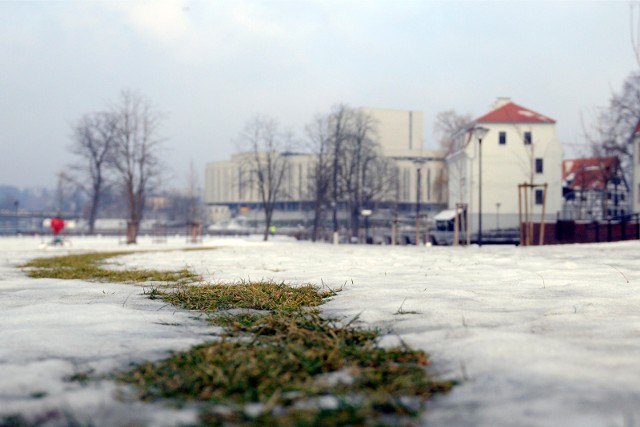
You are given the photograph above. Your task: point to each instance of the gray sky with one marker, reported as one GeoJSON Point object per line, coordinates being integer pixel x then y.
{"type": "Point", "coordinates": [212, 65]}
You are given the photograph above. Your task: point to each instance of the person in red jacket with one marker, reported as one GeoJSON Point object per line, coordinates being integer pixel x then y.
{"type": "Point", "coordinates": [57, 224]}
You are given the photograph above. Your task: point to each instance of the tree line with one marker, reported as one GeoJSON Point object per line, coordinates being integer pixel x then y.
{"type": "Point", "coordinates": [118, 149]}
{"type": "Point", "coordinates": [117, 152]}
{"type": "Point", "coordinates": [348, 170]}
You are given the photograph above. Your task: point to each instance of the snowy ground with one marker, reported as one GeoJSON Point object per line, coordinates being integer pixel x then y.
{"type": "Point", "coordinates": [538, 336]}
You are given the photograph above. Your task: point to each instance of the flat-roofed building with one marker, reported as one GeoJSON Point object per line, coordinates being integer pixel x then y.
{"type": "Point", "coordinates": [420, 175]}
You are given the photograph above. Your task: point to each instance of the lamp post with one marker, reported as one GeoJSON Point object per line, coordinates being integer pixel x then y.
{"type": "Point", "coordinates": [480, 132]}
{"type": "Point", "coordinates": [498, 215]}
{"type": "Point", "coordinates": [418, 162]}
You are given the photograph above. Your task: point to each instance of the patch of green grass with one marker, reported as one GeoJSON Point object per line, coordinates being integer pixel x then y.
{"type": "Point", "coordinates": [87, 266]}
{"type": "Point", "coordinates": [248, 295]}
{"type": "Point", "coordinates": [278, 354]}
{"type": "Point", "coordinates": [198, 249]}
{"type": "Point", "coordinates": [287, 360]}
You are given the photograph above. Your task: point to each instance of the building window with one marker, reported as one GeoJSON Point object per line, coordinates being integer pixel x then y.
{"type": "Point", "coordinates": [539, 166]}
{"type": "Point", "coordinates": [502, 138]}
{"type": "Point", "coordinates": [527, 138]}
{"type": "Point", "coordinates": [539, 197]}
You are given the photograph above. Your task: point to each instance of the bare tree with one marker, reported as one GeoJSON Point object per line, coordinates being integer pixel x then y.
{"type": "Point", "coordinates": [321, 168]}
{"type": "Point", "coordinates": [135, 155]}
{"type": "Point", "coordinates": [361, 166]}
{"type": "Point", "coordinates": [634, 27]}
{"type": "Point", "coordinates": [193, 212]}
{"type": "Point", "coordinates": [349, 170]}
{"type": "Point", "coordinates": [267, 161]}
{"type": "Point", "coordinates": [447, 125]}
{"type": "Point", "coordinates": [340, 122]}
{"type": "Point", "coordinates": [93, 139]}
{"type": "Point", "coordinates": [611, 131]}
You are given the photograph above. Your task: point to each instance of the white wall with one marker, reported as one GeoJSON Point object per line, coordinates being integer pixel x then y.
{"type": "Point", "coordinates": [503, 168]}
{"type": "Point", "coordinates": [399, 131]}
{"type": "Point", "coordinates": [400, 134]}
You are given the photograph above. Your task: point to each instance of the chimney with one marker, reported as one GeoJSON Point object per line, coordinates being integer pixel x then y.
{"type": "Point", "coordinates": [501, 102]}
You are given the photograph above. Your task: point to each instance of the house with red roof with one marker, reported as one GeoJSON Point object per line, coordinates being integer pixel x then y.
{"type": "Point", "coordinates": [519, 146]}
{"type": "Point", "coordinates": [594, 189]}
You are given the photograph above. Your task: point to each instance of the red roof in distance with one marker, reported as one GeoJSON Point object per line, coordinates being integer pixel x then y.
{"type": "Point", "coordinates": [591, 173]}
{"type": "Point", "coordinates": [513, 113]}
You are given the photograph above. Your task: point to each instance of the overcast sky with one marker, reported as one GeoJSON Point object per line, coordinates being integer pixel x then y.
{"type": "Point", "coordinates": [212, 65]}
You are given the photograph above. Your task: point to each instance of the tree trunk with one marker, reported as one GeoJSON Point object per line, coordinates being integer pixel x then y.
{"type": "Point", "coordinates": [132, 232]}
{"type": "Point", "coordinates": [92, 219]}
{"type": "Point", "coordinates": [316, 222]}
{"type": "Point", "coordinates": [93, 212]}
{"type": "Point", "coordinates": [267, 226]}
{"type": "Point", "coordinates": [355, 222]}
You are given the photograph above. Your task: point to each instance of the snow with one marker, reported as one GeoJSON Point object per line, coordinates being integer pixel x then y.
{"type": "Point", "coordinates": [538, 336]}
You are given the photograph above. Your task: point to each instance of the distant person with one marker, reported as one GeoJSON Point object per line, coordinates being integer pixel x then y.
{"type": "Point", "coordinates": [57, 224]}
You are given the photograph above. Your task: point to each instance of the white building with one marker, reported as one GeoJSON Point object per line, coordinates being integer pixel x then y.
{"type": "Point", "coordinates": [421, 173]}
{"type": "Point", "coordinates": [520, 146]}
{"type": "Point", "coordinates": [229, 190]}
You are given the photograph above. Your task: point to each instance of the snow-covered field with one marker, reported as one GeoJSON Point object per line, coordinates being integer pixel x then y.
{"type": "Point", "coordinates": [541, 336]}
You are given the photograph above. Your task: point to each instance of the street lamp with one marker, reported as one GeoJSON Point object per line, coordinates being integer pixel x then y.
{"type": "Point", "coordinates": [479, 132]}
{"type": "Point", "coordinates": [418, 162]}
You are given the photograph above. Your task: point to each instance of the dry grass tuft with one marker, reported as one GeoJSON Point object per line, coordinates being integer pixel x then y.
{"type": "Point", "coordinates": [288, 360]}
{"type": "Point", "coordinates": [88, 267]}
{"type": "Point", "coordinates": [249, 295]}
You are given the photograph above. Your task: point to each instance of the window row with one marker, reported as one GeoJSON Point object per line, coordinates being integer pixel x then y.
{"type": "Point", "coordinates": [527, 138]}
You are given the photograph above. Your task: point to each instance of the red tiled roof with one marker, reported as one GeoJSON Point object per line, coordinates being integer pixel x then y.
{"type": "Point", "coordinates": [588, 173]}
{"type": "Point", "coordinates": [513, 113]}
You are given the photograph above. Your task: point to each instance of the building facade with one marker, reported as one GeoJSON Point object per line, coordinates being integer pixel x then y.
{"type": "Point", "coordinates": [594, 189]}
{"type": "Point", "coordinates": [520, 147]}
{"type": "Point", "coordinates": [420, 176]}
